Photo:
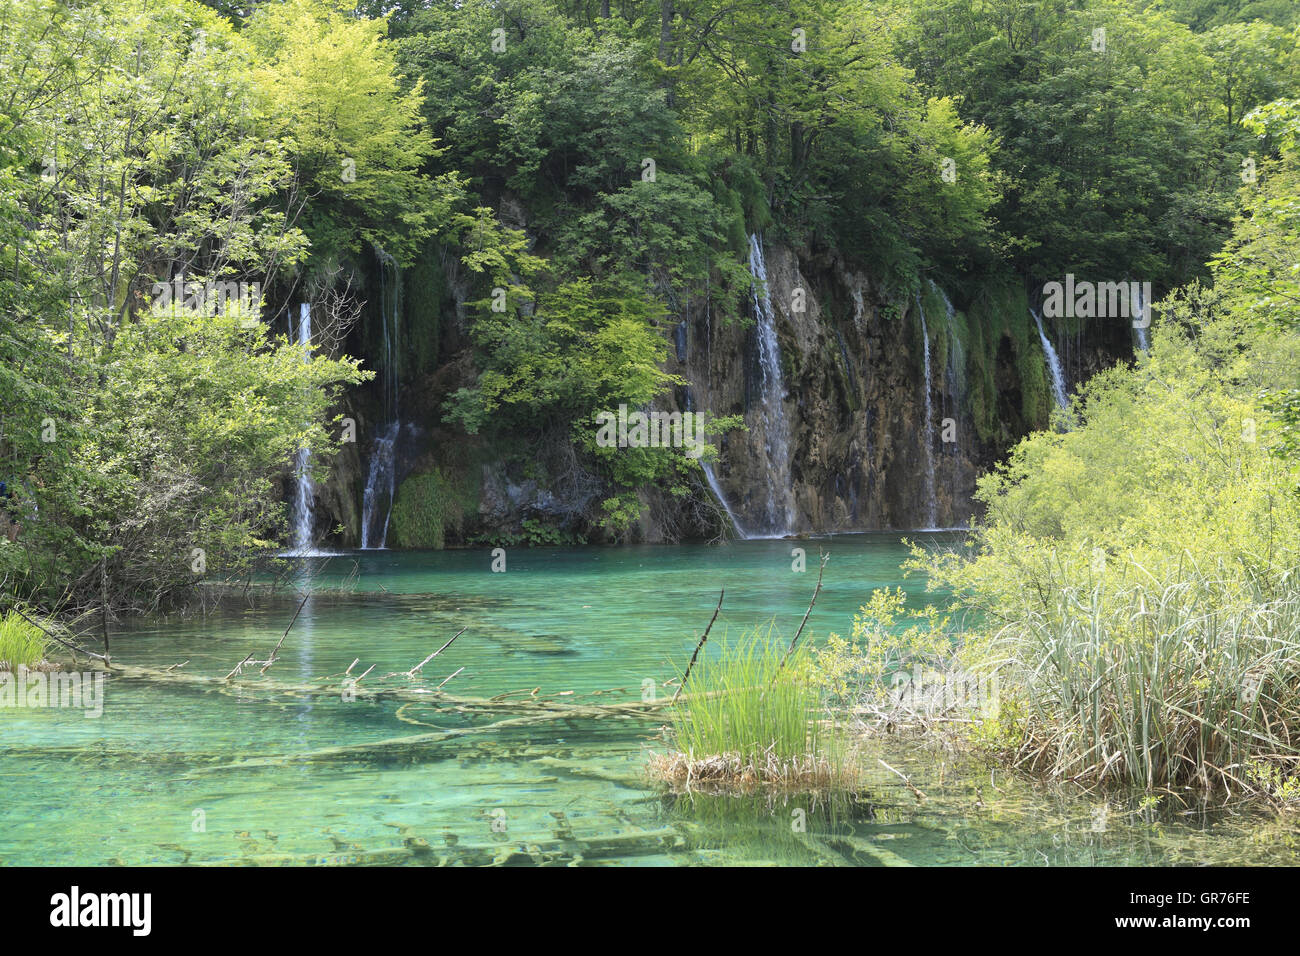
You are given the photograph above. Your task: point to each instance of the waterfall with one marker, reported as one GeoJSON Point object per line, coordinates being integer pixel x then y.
{"type": "Point", "coordinates": [381, 481]}
{"type": "Point", "coordinates": [380, 486]}
{"type": "Point", "coordinates": [931, 517]}
{"type": "Point", "coordinates": [303, 518]}
{"type": "Point", "coordinates": [722, 499]}
{"type": "Point", "coordinates": [848, 362]}
{"type": "Point", "coordinates": [389, 295]}
{"type": "Point", "coordinates": [776, 429]}
{"type": "Point", "coordinates": [1138, 310]}
{"type": "Point", "coordinates": [712, 480]}
{"type": "Point", "coordinates": [956, 370]}
{"type": "Point", "coordinates": [1053, 365]}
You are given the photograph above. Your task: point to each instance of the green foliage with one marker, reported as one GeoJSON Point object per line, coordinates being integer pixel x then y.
{"type": "Point", "coordinates": [424, 292]}
{"type": "Point", "coordinates": [329, 86]}
{"type": "Point", "coordinates": [428, 504]}
{"type": "Point", "coordinates": [1257, 268]}
{"type": "Point", "coordinates": [1157, 683]}
{"type": "Point", "coordinates": [883, 643]}
{"type": "Point", "coordinates": [1165, 463]}
{"type": "Point", "coordinates": [22, 644]}
{"type": "Point", "coordinates": [1118, 160]}
{"type": "Point", "coordinates": [533, 533]}
{"type": "Point", "coordinates": [744, 704]}
{"type": "Point", "coordinates": [999, 315]}
{"type": "Point", "coordinates": [137, 431]}
{"type": "Point", "coordinates": [584, 347]}
{"type": "Point", "coordinates": [197, 416]}
{"type": "Point", "coordinates": [1133, 581]}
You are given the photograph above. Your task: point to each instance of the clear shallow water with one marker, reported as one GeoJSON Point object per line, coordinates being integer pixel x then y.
{"type": "Point", "coordinates": [128, 787]}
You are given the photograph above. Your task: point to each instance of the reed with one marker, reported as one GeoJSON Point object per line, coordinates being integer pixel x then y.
{"type": "Point", "coordinates": [22, 644]}
{"type": "Point", "coordinates": [1165, 686]}
{"type": "Point", "coordinates": [750, 722]}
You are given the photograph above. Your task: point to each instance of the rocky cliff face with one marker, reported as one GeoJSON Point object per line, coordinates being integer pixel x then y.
{"type": "Point", "coordinates": [855, 405]}
{"type": "Point", "coordinates": [872, 441]}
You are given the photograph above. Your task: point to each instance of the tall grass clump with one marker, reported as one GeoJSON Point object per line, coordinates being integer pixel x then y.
{"type": "Point", "coordinates": [1154, 684]}
{"type": "Point", "coordinates": [749, 722]}
{"type": "Point", "coordinates": [22, 644]}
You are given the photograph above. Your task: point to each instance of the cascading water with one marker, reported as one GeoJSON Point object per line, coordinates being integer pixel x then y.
{"type": "Point", "coordinates": [931, 505]}
{"type": "Point", "coordinates": [381, 481]}
{"type": "Point", "coordinates": [722, 499]}
{"type": "Point", "coordinates": [956, 370]}
{"type": "Point", "coordinates": [713, 483]}
{"type": "Point", "coordinates": [1059, 390]}
{"type": "Point", "coordinates": [303, 517]}
{"type": "Point", "coordinates": [780, 511]}
{"type": "Point", "coordinates": [379, 489]}
{"type": "Point", "coordinates": [1138, 310]}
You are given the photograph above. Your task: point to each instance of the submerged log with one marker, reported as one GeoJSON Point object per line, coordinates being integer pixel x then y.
{"type": "Point", "coordinates": [431, 696]}
{"type": "Point", "coordinates": [567, 849]}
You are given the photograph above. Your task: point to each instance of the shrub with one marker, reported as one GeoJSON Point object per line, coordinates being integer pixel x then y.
{"type": "Point", "coordinates": [1158, 684]}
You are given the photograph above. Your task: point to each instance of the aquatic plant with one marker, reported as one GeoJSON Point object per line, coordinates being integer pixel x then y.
{"type": "Point", "coordinates": [754, 718]}
{"type": "Point", "coordinates": [22, 643]}
{"type": "Point", "coordinates": [1158, 684]}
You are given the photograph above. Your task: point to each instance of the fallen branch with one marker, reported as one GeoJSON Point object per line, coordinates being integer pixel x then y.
{"type": "Point", "coordinates": [50, 634]}
{"type": "Point", "coordinates": [239, 668]}
{"type": "Point", "coordinates": [416, 669]}
{"type": "Point", "coordinates": [902, 776]}
{"type": "Point", "coordinates": [275, 651]}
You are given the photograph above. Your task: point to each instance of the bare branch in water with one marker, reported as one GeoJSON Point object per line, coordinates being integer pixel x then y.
{"type": "Point", "coordinates": [821, 568]}
{"type": "Point", "coordinates": [704, 638]}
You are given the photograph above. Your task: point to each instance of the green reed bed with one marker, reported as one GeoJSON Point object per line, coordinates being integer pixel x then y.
{"type": "Point", "coordinates": [1163, 686]}
{"type": "Point", "coordinates": [755, 718]}
{"type": "Point", "coordinates": [22, 644]}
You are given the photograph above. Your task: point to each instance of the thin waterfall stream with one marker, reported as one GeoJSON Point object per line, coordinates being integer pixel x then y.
{"type": "Point", "coordinates": [381, 480]}
{"type": "Point", "coordinates": [714, 485]}
{"type": "Point", "coordinates": [779, 517]}
{"type": "Point", "coordinates": [303, 515]}
{"type": "Point", "coordinates": [1059, 391]}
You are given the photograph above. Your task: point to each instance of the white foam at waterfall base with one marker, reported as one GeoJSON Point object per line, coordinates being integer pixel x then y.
{"type": "Point", "coordinates": [1053, 365]}
{"type": "Point", "coordinates": [780, 511]}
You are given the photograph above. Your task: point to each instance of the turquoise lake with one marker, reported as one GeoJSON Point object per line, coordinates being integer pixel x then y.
{"type": "Point", "coordinates": [157, 778]}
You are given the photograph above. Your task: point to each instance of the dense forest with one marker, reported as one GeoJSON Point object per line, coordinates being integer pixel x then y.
{"type": "Point", "coordinates": [390, 391]}
{"type": "Point", "coordinates": [411, 251]}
